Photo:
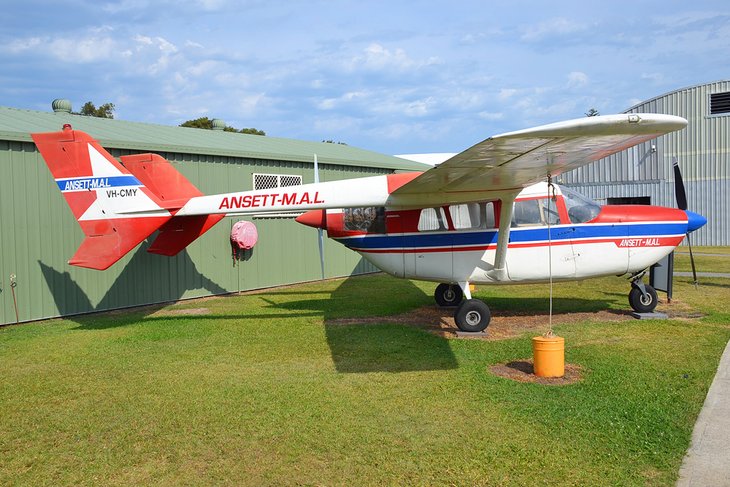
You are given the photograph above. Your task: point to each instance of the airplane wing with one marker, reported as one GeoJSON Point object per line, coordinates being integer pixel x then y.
{"type": "Point", "coordinates": [506, 163]}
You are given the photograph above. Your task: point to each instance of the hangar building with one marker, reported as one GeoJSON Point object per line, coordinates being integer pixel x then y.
{"type": "Point", "coordinates": [38, 232]}
{"type": "Point", "coordinates": [643, 174]}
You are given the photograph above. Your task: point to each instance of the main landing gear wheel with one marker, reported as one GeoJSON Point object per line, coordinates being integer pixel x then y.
{"type": "Point", "coordinates": [472, 315]}
{"type": "Point", "coordinates": [448, 295]}
{"type": "Point", "coordinates": [640, 302]}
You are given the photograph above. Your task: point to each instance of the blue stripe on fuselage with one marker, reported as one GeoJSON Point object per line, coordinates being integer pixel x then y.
{"type": "Point", "coordinates": [81, 184]}
{"type": "Point", "coordinates": [517, 235]}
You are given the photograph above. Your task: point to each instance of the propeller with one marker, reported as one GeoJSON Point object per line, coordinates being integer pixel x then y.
{"type": "Point", "coordinates": [681, 197]}
{"type": "Point", "coordinates": [320, 231]}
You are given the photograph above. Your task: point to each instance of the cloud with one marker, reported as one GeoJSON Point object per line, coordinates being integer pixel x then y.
{"type": "Point", "coordinates": [555, 27]}
{"type": "Point", "coordinates": [376, 57]}
{"type": "Point", "coordinates": [577, 79]}
{"type": "Point", "coordinates": [491, 116]}
{"type": "Point", "coordinates": [94, 45]}
{"type": "Point", "coordinates": [506, 93]}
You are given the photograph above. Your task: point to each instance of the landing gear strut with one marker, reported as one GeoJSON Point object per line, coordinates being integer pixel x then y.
{"type": "Point", "coordinates": [642, 297]}
{"type": "Point", "coordinates": [471, 315]}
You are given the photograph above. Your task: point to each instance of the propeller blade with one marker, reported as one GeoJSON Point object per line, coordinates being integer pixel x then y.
{"type": "Point", "coordinates": [692, 262]}
{"type": "Point", "coordinates": [679, 192]}
{"type": "Point", "coordinates": [320, 232]}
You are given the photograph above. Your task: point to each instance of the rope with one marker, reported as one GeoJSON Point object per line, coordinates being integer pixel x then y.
{"type": "Point", "coordinates": [551, 188]}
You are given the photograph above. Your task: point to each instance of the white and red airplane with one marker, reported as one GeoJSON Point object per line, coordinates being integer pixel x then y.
{"type": "Point", "coordinates": [487, 215]}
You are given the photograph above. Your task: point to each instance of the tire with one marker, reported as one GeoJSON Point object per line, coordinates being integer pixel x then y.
{"type": "Point", "coordinates": [472, 316]}
{"type": "Point", "coordinates": [448, 295]}
{"type": "Point", "coordinates": [642, 304]}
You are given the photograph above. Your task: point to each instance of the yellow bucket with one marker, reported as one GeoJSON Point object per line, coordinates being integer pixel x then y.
{"type": "Point", "coordinates": [549, 356]}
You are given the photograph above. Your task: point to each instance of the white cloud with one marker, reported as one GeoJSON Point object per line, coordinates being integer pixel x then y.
{"type": "Point", "coordinates": [250, 104]}
{"type": "Point", "coordinates": [559, 26]}
{"type": "Point", "coordinates": [18, 46]}
{"type": "Point", "coordinates": [656, 78]}
{"type": "Point", "coordinates": [577, 79]}
{"type": "Point", "coordinates": [506, 93]}
{"type": "Point", "coordinates": [491, 116]}
{"type": "Point", "coordinates": [419, 108]}
{"type": "Point", "coordinates": [376, 57]}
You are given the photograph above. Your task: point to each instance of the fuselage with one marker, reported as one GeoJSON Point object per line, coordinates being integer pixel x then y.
{"type": "Point", "coordinates": [554, 232]}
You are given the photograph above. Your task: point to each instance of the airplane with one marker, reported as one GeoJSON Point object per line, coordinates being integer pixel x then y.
{"type": "Point", "coordinates": [488, 215]}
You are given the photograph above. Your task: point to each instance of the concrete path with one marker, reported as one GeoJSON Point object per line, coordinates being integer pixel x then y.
{"type": "Point", "coordinates": [709, 254]}
{"type": "Point", "coordinates": [703, 274]}
{"type": "Point", "coordinates": [707, 463]}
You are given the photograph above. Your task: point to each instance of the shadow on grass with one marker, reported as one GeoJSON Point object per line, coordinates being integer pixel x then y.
{"type": "Point", "coordinates": [385, 347]}
{"type": "Point", "coordinates": [73, 303]}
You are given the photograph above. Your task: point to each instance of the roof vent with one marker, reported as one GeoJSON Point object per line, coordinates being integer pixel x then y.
{"type": "Point", "coordinates": [218, 124]}
{"type": "Point", "coordinates": [61, 105]}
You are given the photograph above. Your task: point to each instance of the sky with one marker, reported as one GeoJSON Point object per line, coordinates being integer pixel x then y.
{"type": "Point", "coordinates": [389, 76]}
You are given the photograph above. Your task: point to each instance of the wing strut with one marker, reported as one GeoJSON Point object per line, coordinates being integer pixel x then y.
{"type": "Point", "coordinates": [499, 273]}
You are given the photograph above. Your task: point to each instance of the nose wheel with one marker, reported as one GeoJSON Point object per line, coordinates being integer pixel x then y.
{"type": "Point", "coordinates": [447, 295]}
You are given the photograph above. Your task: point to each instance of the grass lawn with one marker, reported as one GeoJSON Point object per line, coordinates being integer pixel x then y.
{"type": "Point", "coordinates": [262, 389]}
{"type": "Point", "coordinates": [707, 259]}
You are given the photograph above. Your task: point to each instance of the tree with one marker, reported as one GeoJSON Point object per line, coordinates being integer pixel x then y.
{"type": "Point", "coordinates": [252, 131]}
{"type": "Point", "coordinates": [206, 123]}
{"type": "Point", "coordinates": [199, 123]}
{"type": "Point", "coordinates": [102, 111]}
{"type": "Point", "coordinates": [592, 113]}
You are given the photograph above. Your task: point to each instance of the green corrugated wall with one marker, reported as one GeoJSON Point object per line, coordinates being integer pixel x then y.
{"type": "Point", "coordinates": [38, 234]}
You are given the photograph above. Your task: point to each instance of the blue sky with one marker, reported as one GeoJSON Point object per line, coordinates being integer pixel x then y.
{"type": "Point", "coordinates": [390, 76]}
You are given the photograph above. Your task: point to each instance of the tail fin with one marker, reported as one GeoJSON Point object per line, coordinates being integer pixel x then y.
{"type": "Point", "coordinates": [115, 210]}
{"type": "Point", "coordinates": [173, 190]}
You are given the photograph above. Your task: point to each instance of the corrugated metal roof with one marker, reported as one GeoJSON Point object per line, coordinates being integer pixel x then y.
{"type": "Point", "coordinates": [17, 125]}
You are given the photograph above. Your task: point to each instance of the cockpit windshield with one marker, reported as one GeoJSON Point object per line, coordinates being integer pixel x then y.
{"type": "Point", "coordinates": [580, 208]}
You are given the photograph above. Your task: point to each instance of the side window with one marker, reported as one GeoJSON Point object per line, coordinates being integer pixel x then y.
{"type": "Point", "coordinates": [526, 212]}
{"type": "Point", "coordinates": [535, 212]}
{"type": "Point", "coordinates": [466, 216]}
{"type": "Point", "coordinates": [489, 219]}
{"type": "Point", "coordinates": [472, 215]}
{"type": "Point", "coordinates": [580, 208]}
{"type": "Point", "coordinates": [432, 219]}
{"type": "Point", "coordinates": [550, 211]}
{"type": "Point", "coordinates": [370, 219]}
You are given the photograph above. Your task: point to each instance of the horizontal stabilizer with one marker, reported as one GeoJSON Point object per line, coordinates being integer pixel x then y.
{"type": "Point", "coordinates": [109, 241]}
{"type": "Point", "coordinates": [173, 190]}
{"type": "Point", "coordinates": [180, 232]}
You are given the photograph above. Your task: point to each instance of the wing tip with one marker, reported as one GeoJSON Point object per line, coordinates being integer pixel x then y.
{"type": "Point", "coordinates": [624, 123]}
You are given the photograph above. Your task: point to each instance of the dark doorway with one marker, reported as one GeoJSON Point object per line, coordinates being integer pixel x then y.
{"type": "Point", "coordinates": [637, 200]}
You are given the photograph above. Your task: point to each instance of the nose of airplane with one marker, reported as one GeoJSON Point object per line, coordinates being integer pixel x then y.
{"type": "Point", "coordinates": [694, 221]}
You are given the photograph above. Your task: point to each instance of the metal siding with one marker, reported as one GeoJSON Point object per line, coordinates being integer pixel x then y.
{"type": "Point", "coordinates": [702, 150]}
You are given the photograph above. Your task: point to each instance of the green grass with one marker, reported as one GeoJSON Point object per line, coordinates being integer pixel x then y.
{"type": "Point", "coordinates": [707, 259]}
{"type": "Point", "coordinates": [261, 390]}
